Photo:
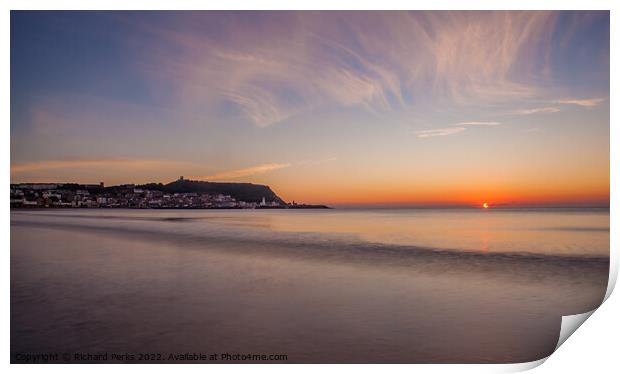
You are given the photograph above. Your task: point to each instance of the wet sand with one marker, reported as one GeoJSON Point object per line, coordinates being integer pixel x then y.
{"type": "Point", "coordinates": [81, 287]}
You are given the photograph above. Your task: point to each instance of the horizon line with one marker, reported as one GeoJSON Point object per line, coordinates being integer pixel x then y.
{"type": "Point", "coordinates": [394, 205]}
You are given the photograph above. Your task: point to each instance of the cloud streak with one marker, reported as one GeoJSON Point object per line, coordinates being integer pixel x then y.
{"type": "Point", "coordinates": [588, 103]}
{"type": "Point", "coordinates": [245, 172]}
{"type": "Point", "coordinates": [526, 112]}
{"type": "Point", "coordinates": [440, 132]}
{"type": "Point", "coordinates": [457, 128]}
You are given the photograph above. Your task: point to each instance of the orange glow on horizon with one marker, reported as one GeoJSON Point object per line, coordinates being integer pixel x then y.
{"type": "Point", "coordinates": [426, 196]}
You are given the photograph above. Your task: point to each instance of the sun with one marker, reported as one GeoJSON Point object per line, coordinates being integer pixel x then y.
{"type": "Point", "coordinates": [485, 205]}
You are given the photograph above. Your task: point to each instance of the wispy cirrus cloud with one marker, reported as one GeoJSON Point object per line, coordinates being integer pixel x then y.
{"type": "Point", "coordinates": [457, 128]}
{"type": "Point", "coordinates": [526, 112]}
{"type": "Point", "coordinates": [581, 102]}
{"type": "Point", "coordinates": [440, 132]}
{"type": "Point", "coordinates": [282, 64]}
{"type": "Point", "coordinates": [262, 109]}
{"type": "Point", "coordinates": [588, 103]}
{"type": "Point", "coordinates": [245, 172]}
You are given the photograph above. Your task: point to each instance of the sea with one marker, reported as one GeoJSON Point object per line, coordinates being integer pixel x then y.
{"type": "Point", "coordinates": [301, 285]}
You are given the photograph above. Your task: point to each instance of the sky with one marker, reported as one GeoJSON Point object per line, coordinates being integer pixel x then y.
{"type": "Point", "coordinates": [342, 108]}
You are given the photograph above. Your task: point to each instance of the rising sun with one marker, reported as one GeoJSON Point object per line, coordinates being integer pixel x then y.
{"type": "Point", "coordinates": [485, 205]}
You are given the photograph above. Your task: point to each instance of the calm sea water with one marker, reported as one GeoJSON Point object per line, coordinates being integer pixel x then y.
{"type": "Point", "coordinates": [344, 285]}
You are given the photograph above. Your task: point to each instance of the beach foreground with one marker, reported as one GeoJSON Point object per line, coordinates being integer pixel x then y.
{"type": "Point", "coordinates": [309, 287]}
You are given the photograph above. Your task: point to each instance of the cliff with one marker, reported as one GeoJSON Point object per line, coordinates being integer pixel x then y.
{"type": "Point", "coordinates": [247, 192]}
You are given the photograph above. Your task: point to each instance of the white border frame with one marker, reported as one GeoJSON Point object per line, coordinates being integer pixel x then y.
{"type": "Point", "coordinates": [598, 342]}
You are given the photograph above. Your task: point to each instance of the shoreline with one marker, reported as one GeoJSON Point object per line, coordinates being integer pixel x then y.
{"type": "Point", "coordinates": [169, 208]}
